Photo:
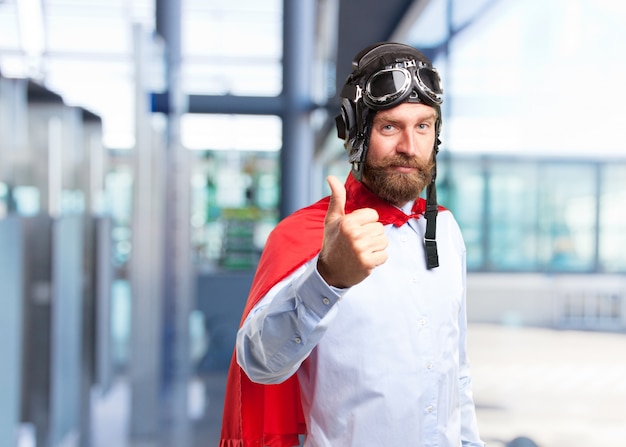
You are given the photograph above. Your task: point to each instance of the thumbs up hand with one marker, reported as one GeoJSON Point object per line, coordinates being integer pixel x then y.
{"type": "Point", "coordinates": [354, 244]}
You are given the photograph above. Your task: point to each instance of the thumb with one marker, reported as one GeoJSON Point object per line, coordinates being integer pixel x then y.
{"type": "Point", "coordinates": [337, 205]}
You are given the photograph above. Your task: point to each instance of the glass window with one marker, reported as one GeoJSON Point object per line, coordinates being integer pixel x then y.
{"type": "Point", "coordinates": [567, 217]}
{"type": "Point", "coordinates": [232, 47]}
{"type": "Point", "coordinates": [537, 215]}
{"type": "Point", "coordinates": [4, 200]}
{"type": "Point", "coordinates": [612, 237]}
{"type": "Point", "coordinates": [118, 191]}
{"type": "Point", "coordinates": [235, 197]}
{"type": "Point", "coordinates": [231, 132]}
{"type": "Point", "coordinates": [460, 187]}
{"type": "Point", "coordinates": [512, 216]}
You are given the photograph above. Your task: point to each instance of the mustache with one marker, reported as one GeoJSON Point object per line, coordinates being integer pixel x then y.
{"type": "Point", "coordinates": [403, 161]}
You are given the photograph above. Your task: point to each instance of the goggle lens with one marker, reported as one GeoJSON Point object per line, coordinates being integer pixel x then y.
{"type": "Point", "coordinates": [431, 81]}
{"type": "Point", "coordinates": [392, 85]}
{"type": "Point", "coordinates": [386, 84]}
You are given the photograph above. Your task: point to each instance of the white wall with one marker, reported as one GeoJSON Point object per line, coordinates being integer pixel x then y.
{"type": "Point", "coordinates": [562, 301]}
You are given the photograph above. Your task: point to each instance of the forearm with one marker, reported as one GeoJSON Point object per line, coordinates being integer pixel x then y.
{"type": "Point", "coordinates": [286, 325]}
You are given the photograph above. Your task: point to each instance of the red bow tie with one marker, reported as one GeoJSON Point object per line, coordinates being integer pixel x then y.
{"type": "Point", "coordinates": [358, 196]}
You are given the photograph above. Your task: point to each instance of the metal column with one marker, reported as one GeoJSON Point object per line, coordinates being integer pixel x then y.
{"type": "Point", "coordinates": [177, 268]}
{"type": "Point", "coordinates": [145, 263]}
{"type": "Point", "coordinates": [298, 136]}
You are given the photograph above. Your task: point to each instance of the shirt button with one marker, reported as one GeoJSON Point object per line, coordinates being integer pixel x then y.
{"type": "Point", "coordinates": [430, 408]}
{"type": "Point", "coordinates": [297, 340]}
{"type": "Point", "coordinates": [429, 365]}
{"type": "Point", "coordinates": [326, 301]}
{"type": "Point", "coordinates": [403, 239]}
{"type": "Point", "coordinates": [423, 322]}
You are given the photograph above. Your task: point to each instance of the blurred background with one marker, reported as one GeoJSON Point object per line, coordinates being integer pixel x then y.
{"type": "Point", "coordinates": [148, 147]}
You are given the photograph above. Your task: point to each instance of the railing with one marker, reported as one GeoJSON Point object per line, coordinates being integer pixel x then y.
{"type": "Point", "coordinates": [596, 306]}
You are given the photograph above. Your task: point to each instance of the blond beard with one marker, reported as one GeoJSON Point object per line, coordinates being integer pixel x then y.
{"type": "Point", "coordinates": [396, 187]}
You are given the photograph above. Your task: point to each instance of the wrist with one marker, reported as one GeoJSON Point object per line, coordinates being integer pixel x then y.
{"type": "Point", "coordinates": [326, 273]}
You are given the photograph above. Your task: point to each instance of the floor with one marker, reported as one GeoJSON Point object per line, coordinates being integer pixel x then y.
{"type": "Point", "coordinates": [556, 388]}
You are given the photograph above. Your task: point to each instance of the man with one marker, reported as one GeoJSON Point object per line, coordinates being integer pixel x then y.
{"type": "Point", "coordinates": [354, 333]}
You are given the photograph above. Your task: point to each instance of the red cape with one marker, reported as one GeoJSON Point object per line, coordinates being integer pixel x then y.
{"type": "Point", "coordinates": [257, 415]}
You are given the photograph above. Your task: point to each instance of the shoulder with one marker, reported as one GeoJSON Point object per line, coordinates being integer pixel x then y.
{"type": "Point", "coordinates": [295, 240]}
{"type": "Point", "coordinates": [298, 237]}
{"type": "Point", "coordinates": [446, 218]}
{"type": "Point", "coordinates": [448, 228]}
{"type": "Point", "coordinates": [303, 223]}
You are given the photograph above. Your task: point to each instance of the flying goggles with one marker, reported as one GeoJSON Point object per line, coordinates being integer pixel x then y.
{"type": "Point", "coordinates": [400, 82]}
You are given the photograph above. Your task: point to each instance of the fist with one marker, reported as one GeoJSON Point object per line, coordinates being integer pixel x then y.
{"type": "Point", "coordinates": [354, 244]}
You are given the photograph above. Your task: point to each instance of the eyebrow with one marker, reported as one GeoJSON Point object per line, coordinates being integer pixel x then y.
{"type": "Point", "coordinates": [431, 116]}
{"type": "Point", "coordinates": [382, 118]}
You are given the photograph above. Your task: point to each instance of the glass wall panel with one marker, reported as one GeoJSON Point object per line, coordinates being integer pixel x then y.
{"type": "Point", "coordinates": [537, 215]}
{"type": "Point", "coordinates": [118, 186]}
{"type": "Point", "coordinates": [235, 198]}
{"type": "Point", "coordinates": [4, 200]}
{"type": "Point", "coordinates": [512, 216]}
{"type": "Point", "coordinates": [460, 188]}
{"type": "Point", "coordinates": [612, 237]}
{"type": "Point", "coordinates": [567, 217]}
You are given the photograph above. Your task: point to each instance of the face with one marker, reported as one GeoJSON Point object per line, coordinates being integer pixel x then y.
{"type": "Point", "coordinates": [399, 160]}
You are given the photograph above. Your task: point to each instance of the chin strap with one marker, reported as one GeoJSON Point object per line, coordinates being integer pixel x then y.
{"type": "Point", "coordinates": [430, 242]}
{"type": "Point", "coordinates": [432, 209]}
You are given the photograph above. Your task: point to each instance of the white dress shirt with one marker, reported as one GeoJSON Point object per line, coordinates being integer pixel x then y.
{"type": "Point", "coordinates": [383, 363]}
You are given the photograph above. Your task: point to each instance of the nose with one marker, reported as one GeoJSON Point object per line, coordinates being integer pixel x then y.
{"type": "Point", "coordinates": [415, 144]}
{"type": "Point", "coordinates": [408, 143]}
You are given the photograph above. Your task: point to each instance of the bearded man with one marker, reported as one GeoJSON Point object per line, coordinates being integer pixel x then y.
{"type": "Point", "coordinates": [355, 329]}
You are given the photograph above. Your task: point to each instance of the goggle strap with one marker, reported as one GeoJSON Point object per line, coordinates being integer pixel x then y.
{"type": "Point", "coordinates": [350, 91]}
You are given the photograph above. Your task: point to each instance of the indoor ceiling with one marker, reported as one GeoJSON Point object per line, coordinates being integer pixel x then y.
{"type": "Point", "coordinates": [84, 49]}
